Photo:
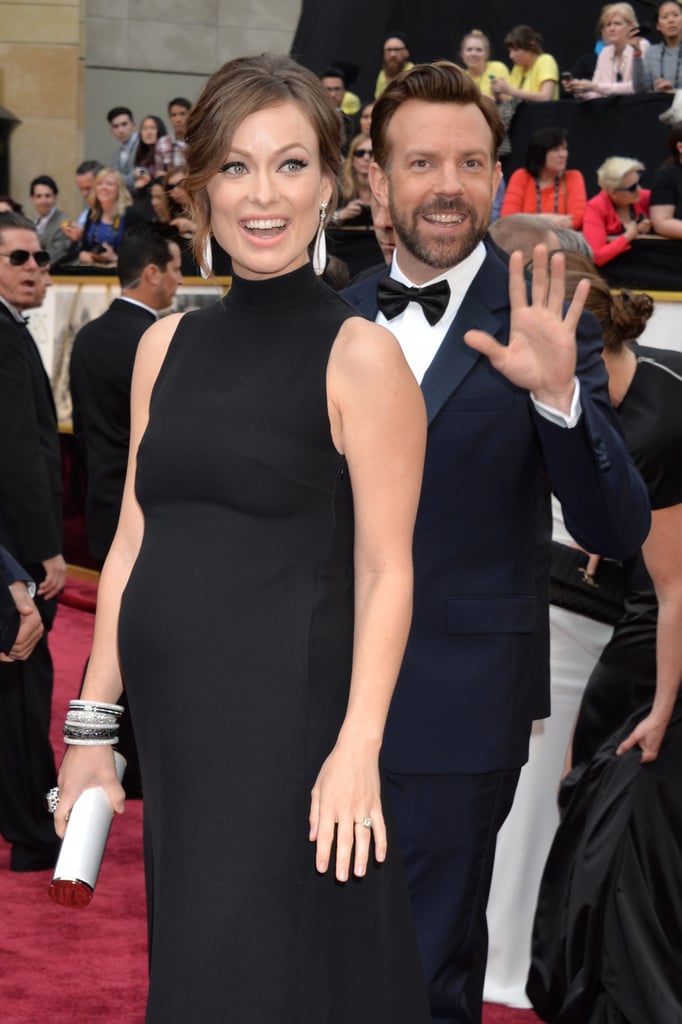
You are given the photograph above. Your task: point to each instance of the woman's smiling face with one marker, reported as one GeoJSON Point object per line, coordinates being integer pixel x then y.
{"type": "Point", "coordinates": [265, 200]}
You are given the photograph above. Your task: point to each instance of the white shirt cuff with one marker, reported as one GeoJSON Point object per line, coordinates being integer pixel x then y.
{"type": "Point", "coordinates": [561, 419]}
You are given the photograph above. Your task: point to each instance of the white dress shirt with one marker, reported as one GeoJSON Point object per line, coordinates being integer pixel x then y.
{"type": "Point", "coordinates": [420, 341]}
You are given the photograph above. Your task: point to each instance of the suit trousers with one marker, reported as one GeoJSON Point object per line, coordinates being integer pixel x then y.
{"type": "Point", "coordinates": [27, 767]}
{"type": "Point", "coordinates": [447, 827]}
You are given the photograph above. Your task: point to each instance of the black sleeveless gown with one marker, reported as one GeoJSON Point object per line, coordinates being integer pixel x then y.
{"type": "Point", "coordinates": [236, 641]}
{"type": "Point", "coordinates": [607, 939]}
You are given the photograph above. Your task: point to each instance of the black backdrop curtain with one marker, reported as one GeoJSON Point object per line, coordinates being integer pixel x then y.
{"type": "Point", "coordinates": [352, 31]}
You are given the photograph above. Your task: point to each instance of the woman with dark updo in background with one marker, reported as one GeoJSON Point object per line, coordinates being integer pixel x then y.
{"type": "Point", "coordinates": [608, 931]}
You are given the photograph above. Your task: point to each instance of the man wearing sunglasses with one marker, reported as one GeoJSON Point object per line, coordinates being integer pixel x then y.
{"type": "Point", "coordinates": [31, 528]}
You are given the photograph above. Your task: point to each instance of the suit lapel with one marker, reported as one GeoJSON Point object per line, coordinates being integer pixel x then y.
{"type": "Point", "coordinates": [487, 296]}
{"type": "Point", "coordinates": [454, 359]}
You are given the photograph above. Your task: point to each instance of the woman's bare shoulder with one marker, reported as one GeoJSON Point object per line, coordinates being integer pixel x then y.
{"type": "Point", "coordinates": [362, 344]}
{"type": "Point", "coordinates": [153, 347]}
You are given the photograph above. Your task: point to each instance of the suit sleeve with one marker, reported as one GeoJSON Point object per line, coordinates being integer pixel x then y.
{"type": "Point", "coordinates": [27, 519]}
{"type": "Point", "coordinates": [604, 499]}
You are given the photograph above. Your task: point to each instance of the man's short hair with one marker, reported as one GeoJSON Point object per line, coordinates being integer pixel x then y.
{"type": "Point", "coordinates": [180, 101]}
{"type": "Point", "coordinates": [15, 220]}
{"type": "Point", "coordinates": [47, 181]}
{"type": "Point", "coordinates": [333, 72]}
{"type": "Point", "coordinates": [440, 82]}
{"type": "Point", "coordinates": [142, 244]}
{"type": "Point", "coordinates": [89, 167]}
{"type": "Point", "coordinates": [119, 112]}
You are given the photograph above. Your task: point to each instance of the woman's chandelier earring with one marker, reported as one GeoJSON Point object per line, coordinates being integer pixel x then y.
{"type": "Point", "coordinates": [320, 247]}
{"type": "Point", "coordinates": [206, 267]}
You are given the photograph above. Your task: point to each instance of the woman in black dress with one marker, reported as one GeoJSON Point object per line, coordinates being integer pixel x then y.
{"type": "Point", "coordinates": [607, 943]}
{"type": "Point", "coordinates": [260, 585]}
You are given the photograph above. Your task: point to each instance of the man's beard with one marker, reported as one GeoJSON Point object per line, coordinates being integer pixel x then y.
{"type": "Point", "coordinates": [393, 66]}
{"type": "Point", "coordinates": [439, 253]}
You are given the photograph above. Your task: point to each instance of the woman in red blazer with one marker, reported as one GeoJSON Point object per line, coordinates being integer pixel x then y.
{"type": "Point", "coordinates": [620, 212]}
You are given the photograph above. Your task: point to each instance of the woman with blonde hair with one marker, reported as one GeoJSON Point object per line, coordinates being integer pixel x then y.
{"type": "Point", "coordinates": [614, 70]}
{"type": "Point", "coordinates": [111, 212]}
{"type": "Point", "coordinates": [618, 214]}
{"type": "Point", "coordinates": [355, 191]}
{"type": "Point", "coordinates": [475, 53]}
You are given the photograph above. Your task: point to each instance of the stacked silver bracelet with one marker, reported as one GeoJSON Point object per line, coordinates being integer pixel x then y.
{"type": "Point", "coordinates": [91, 723]}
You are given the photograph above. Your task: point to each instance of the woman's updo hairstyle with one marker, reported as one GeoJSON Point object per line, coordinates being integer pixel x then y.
{"type": "Point", "coordinates": [622, 315]}
{"type": "Point", "coordinates": [240, 88]}
{"type": "Point", "coordinates": [476, 34]}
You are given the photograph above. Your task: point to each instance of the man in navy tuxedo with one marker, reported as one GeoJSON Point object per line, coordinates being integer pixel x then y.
{"type": "Point", "coordinates": [516, 409]}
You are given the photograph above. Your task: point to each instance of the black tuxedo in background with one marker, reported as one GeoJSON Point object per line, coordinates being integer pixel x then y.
{"type": "Point", "coordinates": [100, 372]}
{"type": "Point", "coordinates": [476, 668]}
{"type": "Point", "coordinates": [31, 528]}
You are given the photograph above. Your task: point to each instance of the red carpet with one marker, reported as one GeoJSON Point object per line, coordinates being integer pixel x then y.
{"type": "Point", "coordinates": [88, 966]}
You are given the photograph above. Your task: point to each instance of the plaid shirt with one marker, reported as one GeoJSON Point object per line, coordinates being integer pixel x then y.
{"type": "Point", "coordinates": [169, 152]}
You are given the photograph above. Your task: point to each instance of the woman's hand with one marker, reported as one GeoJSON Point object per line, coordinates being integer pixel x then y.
{"type": "Point", "coordinates": [500, 88]}
{"type": "Point", "coordinates": [142, 180]}
{"type": "Point", "coordinates": [643, 226]}
{"type": "Point", "coordinates": [82, 768]}
{"type": "Point", "coordinates": [184, 225]}
{"type": "Point", "coordinates": [631, 230]}
{"type": "Point", "coordinates": [576, 86]}
{"type": "Point", "coordinates": [559, 220]}
{"type": "Point", "coordinates": [350, 211]}
{"type": "Point", "coordinates": [663, 85]}
{"type": "Point", "coordinates": [648, 735]}
{"type": "Point", "coordinates": [107, 255]}
{"type": "Point", "coordinates": [346, 792]}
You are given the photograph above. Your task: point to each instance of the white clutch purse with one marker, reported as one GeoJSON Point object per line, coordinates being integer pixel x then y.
{"type": "Point", "coordinates": [80, 857]}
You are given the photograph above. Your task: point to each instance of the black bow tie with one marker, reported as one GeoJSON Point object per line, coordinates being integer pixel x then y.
{"type": "Point", "coordinates": [393, 297]}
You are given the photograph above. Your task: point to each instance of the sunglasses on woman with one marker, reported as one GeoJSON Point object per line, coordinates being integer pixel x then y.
{"type": "Point", "coordinates": [629, 188]}
{"type": "Point", "coordinates": [362, 152]}
{"type": "Point", "coordinates": [17, 257]}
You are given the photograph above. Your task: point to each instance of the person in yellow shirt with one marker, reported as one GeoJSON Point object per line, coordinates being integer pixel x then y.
{"type": "Point", "coordinates": [475, 55]}
{"type": "Point", "coordinates": [534, 75]}
{"type": "Point", "coordinates": [396, 59]}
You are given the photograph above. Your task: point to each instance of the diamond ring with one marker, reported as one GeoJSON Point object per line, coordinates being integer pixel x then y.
{"type": "Point", "coordinates": [366, 822]}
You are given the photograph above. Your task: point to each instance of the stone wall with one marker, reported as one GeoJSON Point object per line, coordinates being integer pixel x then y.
{"type": "Point", "coordinates": [40, 57]}
{"type": "Point", "coordinates": [64, 64]}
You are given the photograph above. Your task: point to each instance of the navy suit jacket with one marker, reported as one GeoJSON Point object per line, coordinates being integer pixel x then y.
{"type": "Point", "coordinates": [30, 455]}
{"type": "Point", "coordinates": [476, 668]}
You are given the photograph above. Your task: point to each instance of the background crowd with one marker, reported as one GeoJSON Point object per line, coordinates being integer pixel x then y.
{"type": "Point", "coordinates": [143, 180]}
{"type": "Point", "coordinates": [137, 223]}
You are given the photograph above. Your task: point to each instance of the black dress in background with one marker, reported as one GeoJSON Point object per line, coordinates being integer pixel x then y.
{"type": "Point", "coordinates": [607, 941]}
{"type": "Point", "coordinates": [236, 638]}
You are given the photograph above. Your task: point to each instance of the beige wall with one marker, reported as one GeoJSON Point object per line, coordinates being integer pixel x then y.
{"type": "Point", "coordinates": [40, 59]}
{"type": "Point", "coordinates": [66, 63]}
{"type": "Point", "coordinates": [142, 53]}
